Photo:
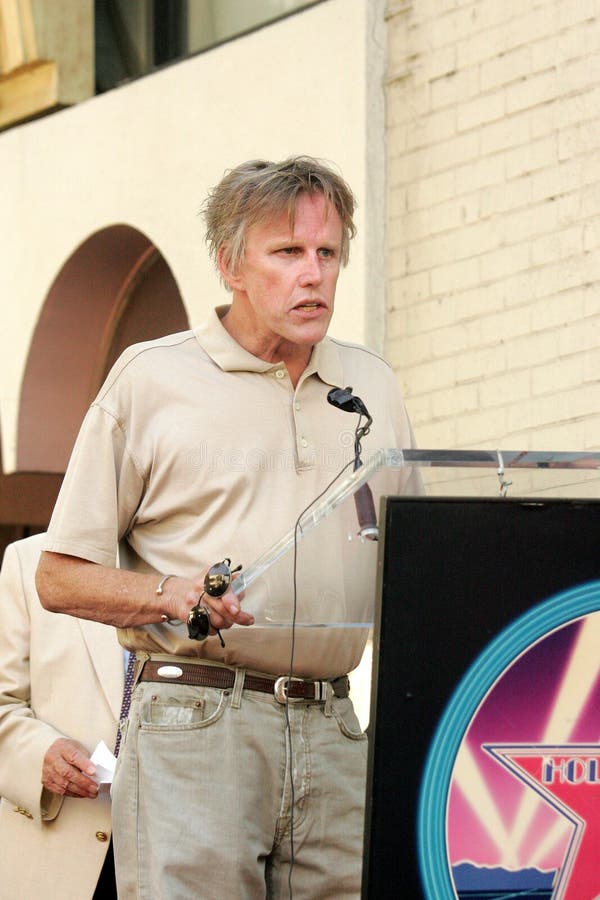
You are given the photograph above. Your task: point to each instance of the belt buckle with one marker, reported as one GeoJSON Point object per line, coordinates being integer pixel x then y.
{"type": "Point", "coordinates": [280, 689]}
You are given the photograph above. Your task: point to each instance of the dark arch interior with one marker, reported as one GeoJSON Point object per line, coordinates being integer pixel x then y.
{"type": "Point", "coordinates": [114, 290]}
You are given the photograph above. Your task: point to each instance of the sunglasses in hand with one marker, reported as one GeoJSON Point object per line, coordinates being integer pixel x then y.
{"type": "Point", "coordinates": [216, 582]}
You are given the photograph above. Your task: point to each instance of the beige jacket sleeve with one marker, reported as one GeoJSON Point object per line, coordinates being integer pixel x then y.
{"type": "Point", "coordinates": [24, 739]}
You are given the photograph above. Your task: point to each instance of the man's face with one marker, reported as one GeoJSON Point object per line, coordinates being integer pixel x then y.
{"type": "Point", "coordinates": [285, 285]}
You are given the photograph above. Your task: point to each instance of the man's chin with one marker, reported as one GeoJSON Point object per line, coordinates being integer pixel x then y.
{"type": "Point", "coordinates": [313, 332]}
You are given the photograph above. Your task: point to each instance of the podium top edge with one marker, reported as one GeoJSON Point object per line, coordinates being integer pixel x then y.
{"type": "Point", "coordinates": [498, 459]}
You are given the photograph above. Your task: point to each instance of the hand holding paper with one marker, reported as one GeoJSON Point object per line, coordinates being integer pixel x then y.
{"type": "Point", "coordinates": [105, 763]}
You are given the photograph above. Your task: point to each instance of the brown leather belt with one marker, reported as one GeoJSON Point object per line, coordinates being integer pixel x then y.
{"type": "Point", "coordinates": [282, 688]}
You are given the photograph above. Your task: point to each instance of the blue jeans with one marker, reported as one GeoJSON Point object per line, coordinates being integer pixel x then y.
{"type": "Point", "coordinates": [208, 803]}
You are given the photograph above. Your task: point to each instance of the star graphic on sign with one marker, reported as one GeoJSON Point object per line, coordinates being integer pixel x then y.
{"type": "Point", "coordinates": [567, 776]}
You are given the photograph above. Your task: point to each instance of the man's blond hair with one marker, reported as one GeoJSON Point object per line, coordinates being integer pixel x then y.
{"type": "Point", "coordinates": [258, 190]}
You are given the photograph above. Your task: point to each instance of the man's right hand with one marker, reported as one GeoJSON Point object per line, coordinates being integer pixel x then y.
{"type": "Point", "coordinates": [66, 770]}
{"type": "Point", "coordinates": [224, 611]}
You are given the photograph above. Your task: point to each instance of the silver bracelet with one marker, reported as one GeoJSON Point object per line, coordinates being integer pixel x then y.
{"type": "Point", "coordinates": [159, 589]}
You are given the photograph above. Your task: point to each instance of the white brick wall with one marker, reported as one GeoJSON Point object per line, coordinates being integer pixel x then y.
{"type": "Point", "coordinates": [493, 228]}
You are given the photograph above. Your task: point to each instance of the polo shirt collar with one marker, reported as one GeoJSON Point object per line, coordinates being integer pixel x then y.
{"type": "Point", "coordinates": [326, 363]}
{"type": "Point", "coordinates": [231, 357]}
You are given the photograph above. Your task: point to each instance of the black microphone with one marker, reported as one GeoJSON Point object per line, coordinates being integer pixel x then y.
{"type": "Point", "coordinates": [344, 399]}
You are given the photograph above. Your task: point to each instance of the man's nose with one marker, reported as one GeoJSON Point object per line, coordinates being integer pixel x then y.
{"type": "Point", "coordinates": [311, 269]}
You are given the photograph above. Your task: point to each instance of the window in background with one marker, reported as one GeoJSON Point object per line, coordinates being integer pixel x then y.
{"type": "Point", "coordinates": [135, 37]}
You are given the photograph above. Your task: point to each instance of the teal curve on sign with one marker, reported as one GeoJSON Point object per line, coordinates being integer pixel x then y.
{"type": "Point", "coordinates": [503, 650]}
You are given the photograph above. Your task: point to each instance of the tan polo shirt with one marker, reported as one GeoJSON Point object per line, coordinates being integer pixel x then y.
{"type": "Point", "coordinates": [196, 450]}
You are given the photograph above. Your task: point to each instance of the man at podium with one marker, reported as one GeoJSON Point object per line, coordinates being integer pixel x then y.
{"type": "Point", "coordinates": [242, 767]}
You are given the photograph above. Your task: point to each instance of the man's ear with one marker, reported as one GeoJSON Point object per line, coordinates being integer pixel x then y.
{"type": "Point", "coordinates": [229, 276]}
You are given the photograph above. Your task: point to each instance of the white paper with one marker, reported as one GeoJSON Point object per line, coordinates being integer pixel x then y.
{"type": "Point", "coordinates": [105, 763]}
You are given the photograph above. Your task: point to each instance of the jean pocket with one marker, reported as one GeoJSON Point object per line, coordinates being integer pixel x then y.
{"type": "Point", "coordinates": [165, 709]}
{"type": "Point", "coordinates": [347, 720]}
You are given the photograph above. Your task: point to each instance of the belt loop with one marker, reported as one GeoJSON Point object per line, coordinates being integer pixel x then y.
{"type": "Point", "coordinates": [329, 695]}
{"type": "Point", "coordinates": [141, 658]}
{"type": "Point", "coordinates": [238, 687]}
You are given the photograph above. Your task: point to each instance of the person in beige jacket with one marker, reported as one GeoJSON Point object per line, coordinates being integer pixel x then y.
{"type": "Point", "coordinates": [61, 685]}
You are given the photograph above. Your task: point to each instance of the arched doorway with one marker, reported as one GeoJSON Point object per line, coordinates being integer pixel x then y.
{"type": "Point", "coordinates": [114, 290]}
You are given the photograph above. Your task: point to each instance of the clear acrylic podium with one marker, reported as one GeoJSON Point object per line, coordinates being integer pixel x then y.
{"type": "Point", "coordinates": [329, 530]}
{"type": "Point", "coordinates": [491, 579]}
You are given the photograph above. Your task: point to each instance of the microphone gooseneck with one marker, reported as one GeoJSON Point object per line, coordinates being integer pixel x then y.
{"type": "Point", "coordinates": [344, 399]}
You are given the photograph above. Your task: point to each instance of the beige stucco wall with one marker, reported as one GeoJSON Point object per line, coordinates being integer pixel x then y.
{"type": "Point", "coordinates": [146, 153]}
{"type": "Point", "coordinates": [493, 166]}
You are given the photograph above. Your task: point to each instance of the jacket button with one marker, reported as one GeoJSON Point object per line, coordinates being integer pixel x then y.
{"type": "Point", "coordinates": [101, 836]}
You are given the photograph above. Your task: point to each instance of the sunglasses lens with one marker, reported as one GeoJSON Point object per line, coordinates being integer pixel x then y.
{"type": "Point", "coordinates": [198, 623]}
{"type": "Point", "coordinates": [218, 579]}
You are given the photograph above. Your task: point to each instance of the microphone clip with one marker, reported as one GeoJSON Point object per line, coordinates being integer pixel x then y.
{"type": "Point", "coordinates": [344, 399]}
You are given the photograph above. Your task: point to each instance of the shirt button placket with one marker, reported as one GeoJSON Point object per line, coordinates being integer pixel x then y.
{"type": "Point", "coordinates": [302, 442]}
